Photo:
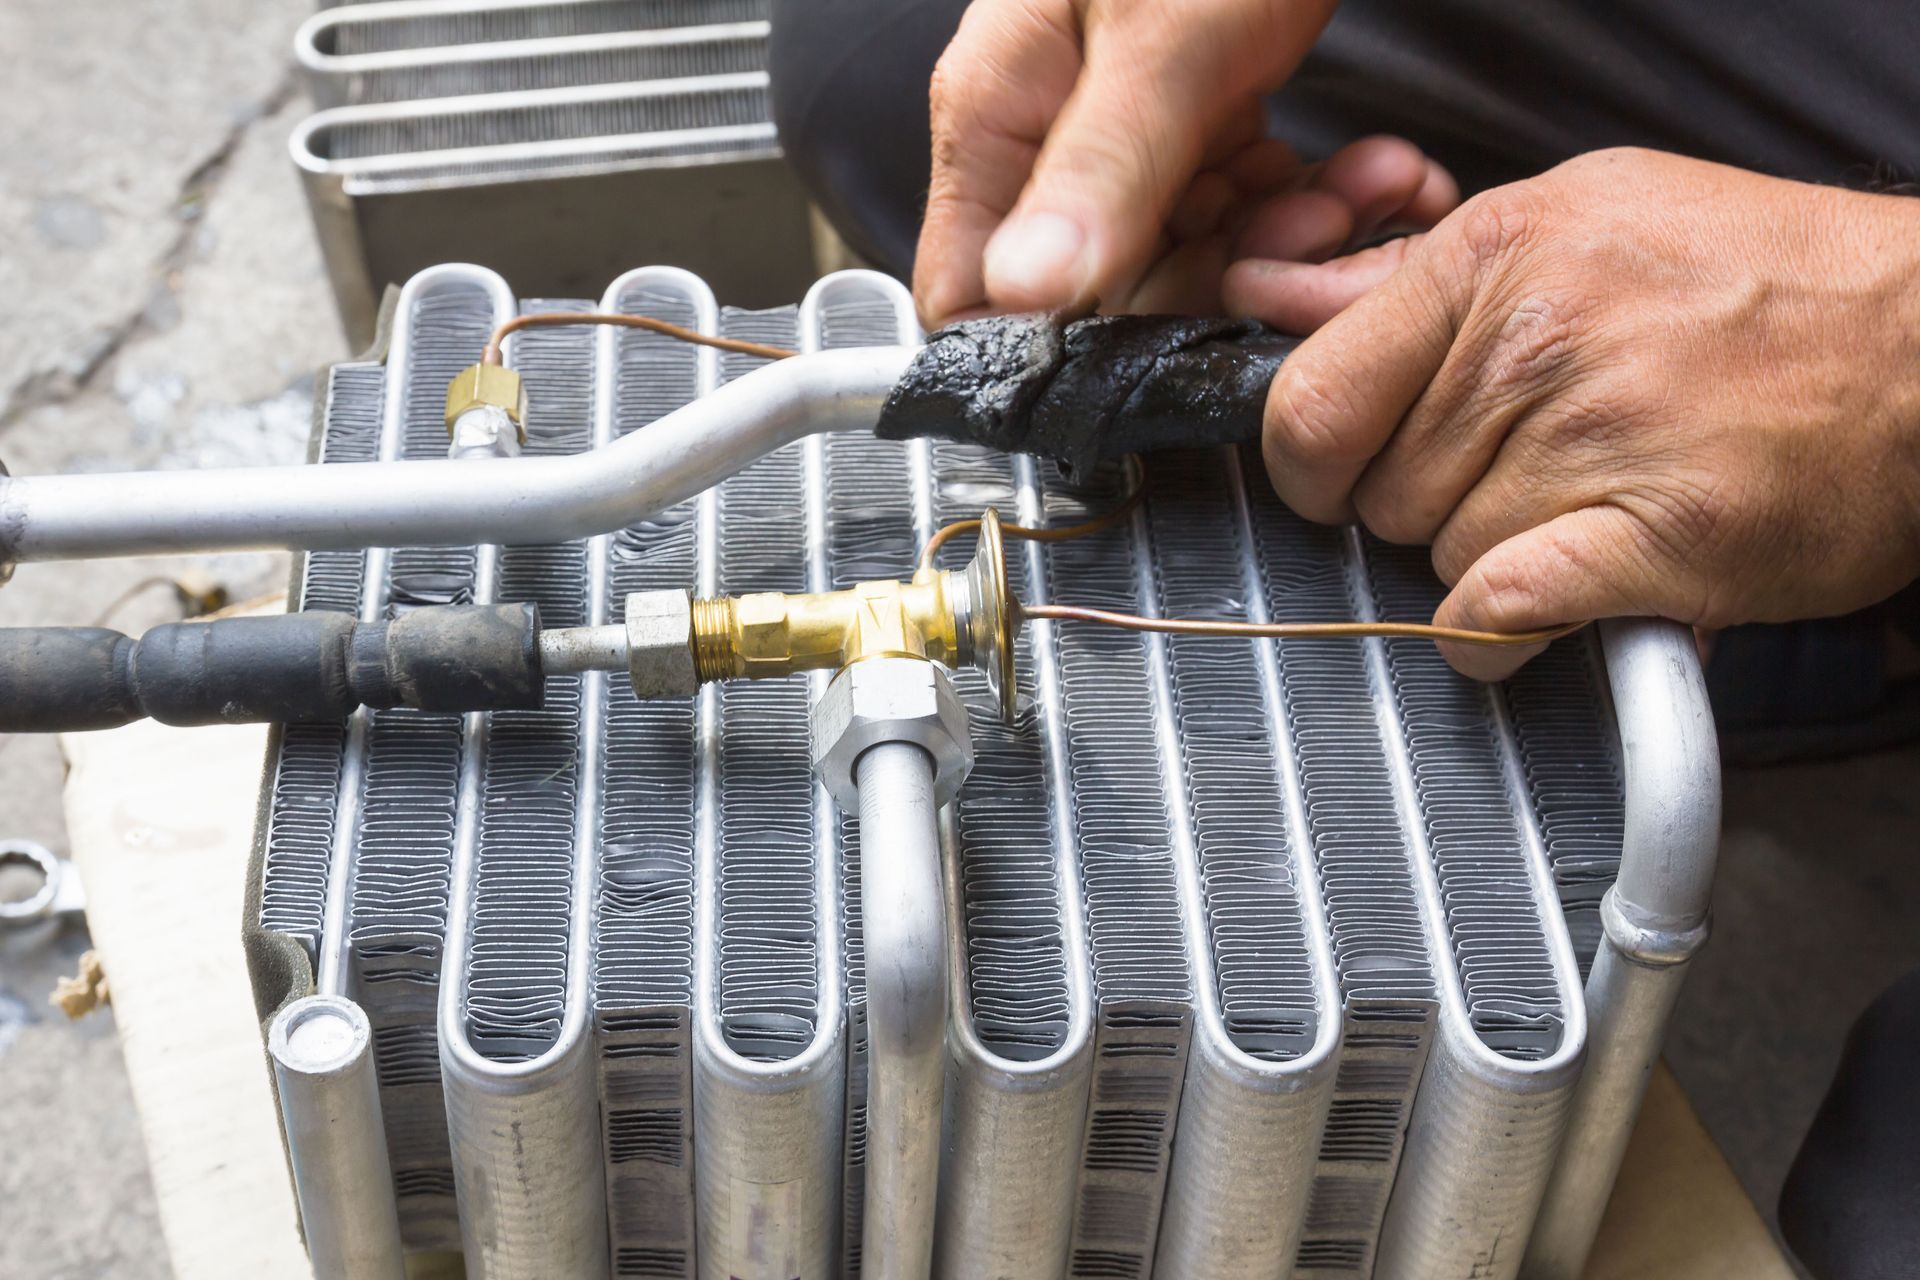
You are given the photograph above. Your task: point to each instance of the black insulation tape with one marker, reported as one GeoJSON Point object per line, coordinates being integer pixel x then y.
{"type": "Point", "coordinates": [1084, 391]}
{"type": "Point", "coordinates": [315, 665]}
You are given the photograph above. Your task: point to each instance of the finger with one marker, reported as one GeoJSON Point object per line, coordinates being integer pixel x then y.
{"type": "Point", "coordinates": [1265, 167]}
{"type": "Point", "coordinates": [1375, 177]}
{"type": "Point", "coordinates": [1203, 208]}
{"type": "Point", "coordinates": [1300, 297]}
{"type": "Point", "coordinates": [1338, 398]}
{"type": "Point", "coordinates": [1244, 127]}
{"type": "Point", "coordinates": [1185, 282]}
{"type": "Point", "coordinates": [1584, 565]}
{"type": "Point", "coordinates": [1460, 459]}
{"type": "Point", "coordinates": [1438, 196]}
{"type": "Point", "coordinates": [1301, 226]}
{"type": "Point", "coordinates": [1157, 85]}
{"type": "Point", "coordinates": [1527, 464]}
{"type": "Point", "coordinates": [997, 88]}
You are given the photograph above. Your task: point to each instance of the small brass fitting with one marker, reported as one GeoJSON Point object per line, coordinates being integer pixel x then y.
{"type": "Point", "coordinates": [954, 617]}
{"type": "Point", "coordinates": [488, 385]}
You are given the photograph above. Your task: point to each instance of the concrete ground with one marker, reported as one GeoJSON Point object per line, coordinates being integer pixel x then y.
{"type": "Point", "coordinates": [162, 304]}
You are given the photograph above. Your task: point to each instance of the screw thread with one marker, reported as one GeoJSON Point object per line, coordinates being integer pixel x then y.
{"type": "Point", "coordinates": [713, 654]}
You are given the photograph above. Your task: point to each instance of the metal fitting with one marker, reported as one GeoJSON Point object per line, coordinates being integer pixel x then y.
{"type": "Point", "coordinates": [958, 618]}
{"type": "Point", "coordinates": [484, 431]}
{"type": "Point", "coordinates": [890, 699]}
{"type": "Point", "coordinates": [1646, 941]}
{"type": "Point", "coordinates": [771, 633]}
{"type": "Point", "coordinates": [488, 385]}
{"type": "Point", "coordinates": [660, 644]}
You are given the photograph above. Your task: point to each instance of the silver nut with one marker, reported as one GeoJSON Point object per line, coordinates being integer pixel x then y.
{"type": "Point", "coordinates": [660, 644]}
{"type": "Point", "coordinates": [890, 700]}
{"type": "Point", "coordinates": [484, 431]}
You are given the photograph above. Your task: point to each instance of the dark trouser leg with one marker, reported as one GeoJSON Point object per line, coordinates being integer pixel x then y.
{"type": "Point", "coordinates": [1851, 1207]}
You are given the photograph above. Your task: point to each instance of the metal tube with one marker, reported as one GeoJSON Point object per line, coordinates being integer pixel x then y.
{"type": "Point", "coordinates": [1655, 918]}
{"type": "Point", "coordinates": [510, 501]}
{"type": "Point", "coordinates": [322, 1049]}
{"type": "Point", "coordinates": [901, 911]}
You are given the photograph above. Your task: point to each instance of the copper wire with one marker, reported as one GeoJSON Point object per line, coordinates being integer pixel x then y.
{"type": "Point", "coordinates": [556, 319]}
{"type": "Point", "coordinates": [1222, 626]}
{"type": "Point", "coordinates": [1085, 529]}
{"type": "Point", "coordinates": [1293, 630]}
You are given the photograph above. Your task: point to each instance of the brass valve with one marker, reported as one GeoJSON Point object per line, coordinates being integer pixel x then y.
{"type": "Point", "coordinates": [670, 644]}
{"type": "Point", "coordinates": [958, 618]}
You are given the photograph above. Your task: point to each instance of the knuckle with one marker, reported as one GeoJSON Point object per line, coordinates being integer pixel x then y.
{"type": "Point", "coordinates": [1687, 515]}
{"type": "Point", "coordinates": [1309, 423]}
{"type": "Point", "coordinates": [1495, 223]}
{"type": "Point", "coordinates": [1389, 513]}
{"type": "Point", "coordinates": [1457, 547]}
{"type": "Point", "coordinates": [1502, 589]}
{"type": "Point", "coordinates": [1538, 340]}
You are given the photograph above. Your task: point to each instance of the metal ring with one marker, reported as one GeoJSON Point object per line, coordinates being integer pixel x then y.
{"type": "Point", "coordinates": [40, 903]}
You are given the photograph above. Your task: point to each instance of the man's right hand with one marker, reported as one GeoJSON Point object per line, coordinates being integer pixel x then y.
{"type": "Point", "coordinates": [1110, 154]}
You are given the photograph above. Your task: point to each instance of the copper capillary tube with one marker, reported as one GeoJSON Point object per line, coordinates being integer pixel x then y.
{"type": "Point", "coordinates": [556, 319]}
{"type": "Point", "coordinates": [1293, 630]}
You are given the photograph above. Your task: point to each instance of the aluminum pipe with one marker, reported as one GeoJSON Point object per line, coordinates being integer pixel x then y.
{"type": "Point", "coordinates": [510, 501]}
{"type": "Point", "coordinates": [904, 925]}
{"type": "Point", "coordinates": [322, 1049]}
{"type": "Point", "coordinates": [1655, 919]}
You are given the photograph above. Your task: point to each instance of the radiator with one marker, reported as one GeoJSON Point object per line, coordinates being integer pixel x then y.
{"type": "Point", "coordinates": [549, 139]}
{"type": "Point", "coordinates": [1300, 958]}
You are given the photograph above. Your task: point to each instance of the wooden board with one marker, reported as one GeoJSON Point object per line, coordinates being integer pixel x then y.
{"type": "Point", "coordinates": [161, 825]}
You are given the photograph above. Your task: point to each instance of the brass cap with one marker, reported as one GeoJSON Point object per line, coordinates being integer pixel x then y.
{"type": "Point", "coordinates": [484, 385]}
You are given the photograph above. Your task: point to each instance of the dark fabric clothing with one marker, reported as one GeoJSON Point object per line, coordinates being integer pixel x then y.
{"type": "Point", "coordinates": [1497, 90]}
{"type": "Point", "coordinates": [1852, 1197]}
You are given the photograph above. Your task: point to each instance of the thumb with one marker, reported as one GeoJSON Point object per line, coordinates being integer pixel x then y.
{"type": "Point", "coordinates": [1579, 567]}
{"type": "Point", "coordinates": [1156, 82]}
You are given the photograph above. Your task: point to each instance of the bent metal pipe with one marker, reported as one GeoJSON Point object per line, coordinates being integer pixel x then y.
{"type": "Point", "coordinates": [506, 501]}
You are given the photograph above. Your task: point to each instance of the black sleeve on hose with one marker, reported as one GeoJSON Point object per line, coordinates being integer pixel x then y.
{"type": "Point", "coordinates": [1089, 390]}
{"type": "Point", "coordinates": [300, 666]}
{"type": "Point", "coordinates": [54, 679]}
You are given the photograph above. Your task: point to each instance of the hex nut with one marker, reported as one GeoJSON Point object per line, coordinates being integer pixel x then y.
{"type": "Point", "coordinates": [488, 384]}
{"type": "Point", "coordinates": [484, 431]}
{"type": "Point", "coordinates": [660, 644]}
{"type": "Point", "coordinates": [890, 700]}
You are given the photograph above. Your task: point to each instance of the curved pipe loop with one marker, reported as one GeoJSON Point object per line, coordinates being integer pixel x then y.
{"type": "Point", "coordinates": [1655, 919]}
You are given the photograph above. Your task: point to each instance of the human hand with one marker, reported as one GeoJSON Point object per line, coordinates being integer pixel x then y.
{"type": "Point", "coordinates": [1110, 154]}
{"type": "Point", "coordinates": [1636, 385]}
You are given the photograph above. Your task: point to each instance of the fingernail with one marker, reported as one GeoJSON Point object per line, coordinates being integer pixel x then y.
{"type": "Point", "coordinates": [1039, 258]}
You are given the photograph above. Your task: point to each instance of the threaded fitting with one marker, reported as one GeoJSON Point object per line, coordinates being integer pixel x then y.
{"type": "Point", "coordinates": [713, 631]}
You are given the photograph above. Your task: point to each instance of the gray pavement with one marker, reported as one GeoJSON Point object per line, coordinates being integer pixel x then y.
{"type": "Point", "coordinates": [161, 304]}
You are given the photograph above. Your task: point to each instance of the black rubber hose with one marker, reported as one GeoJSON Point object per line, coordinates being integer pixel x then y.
{"type": "Point", "coordinates": [295, 667]}
{"type": "Point", "coordinates": [1089, 390]}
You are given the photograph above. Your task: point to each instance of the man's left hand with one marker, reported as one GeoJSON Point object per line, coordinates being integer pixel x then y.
{"type": "Point", "coordinates": [1636, 385]}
